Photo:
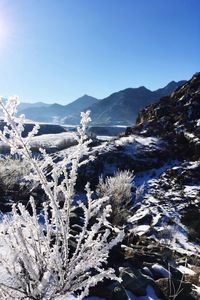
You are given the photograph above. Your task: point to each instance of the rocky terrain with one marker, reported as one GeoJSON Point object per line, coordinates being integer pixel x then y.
{"type": "Point", "coordinates": [163, 150]}
{"type": "Point", "coordinates": [159, 257]}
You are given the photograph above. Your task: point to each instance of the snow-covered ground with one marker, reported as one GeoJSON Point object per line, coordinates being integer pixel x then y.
{"type": "Point", "coordinates": [48, 141]}
{"type": "Point", "coordinates": [51, 142]}
{"type": "Point", "coordinates": [165, 206]}
{"type": "Point", "coordinates": [105, 137]}
{"type": "Point", "coordinates": [132, 145]}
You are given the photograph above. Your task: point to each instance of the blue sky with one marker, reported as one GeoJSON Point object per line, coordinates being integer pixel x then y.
{"type": "Point", "coordinates": [58, 50]}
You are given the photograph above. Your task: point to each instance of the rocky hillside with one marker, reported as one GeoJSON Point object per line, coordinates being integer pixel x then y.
{"type": "Point", "coordinates": [175, 118]}
{"type": "Point", "coordinates": [164, 222]}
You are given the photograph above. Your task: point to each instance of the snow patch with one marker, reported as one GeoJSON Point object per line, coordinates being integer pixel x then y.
{"type": "Point", "coordinates": [184, 270]}
{"type": "Point", "coordinates": [161, 270]}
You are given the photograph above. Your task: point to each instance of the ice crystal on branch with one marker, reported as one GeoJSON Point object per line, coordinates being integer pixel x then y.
{"type": "Point", "coordinates": [49, 260]}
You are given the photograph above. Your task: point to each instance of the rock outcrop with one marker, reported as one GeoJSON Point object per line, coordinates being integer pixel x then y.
{"type": "Point", "coordinates": [175, 118]}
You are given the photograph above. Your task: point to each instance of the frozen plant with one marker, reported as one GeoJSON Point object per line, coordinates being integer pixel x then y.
{"type": "Point", "coordinates": [12, 172]}
{"type": "Point", "coordinates": [118, 190]}
{"type": "Point", "coordinates": [40, 260]}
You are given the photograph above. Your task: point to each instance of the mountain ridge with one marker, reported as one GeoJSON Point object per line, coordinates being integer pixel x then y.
{"type": "Point", "coordinates": [58, 111]}
{"type": "Point", "coordinates": [119, 108]}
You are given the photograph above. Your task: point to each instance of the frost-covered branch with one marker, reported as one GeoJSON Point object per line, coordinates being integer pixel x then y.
{"type": "Point", "coordinates": [47, 260]}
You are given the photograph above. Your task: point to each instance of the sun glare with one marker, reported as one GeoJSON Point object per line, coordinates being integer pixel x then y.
{"type": "Point", "coordinates": [4, 32]}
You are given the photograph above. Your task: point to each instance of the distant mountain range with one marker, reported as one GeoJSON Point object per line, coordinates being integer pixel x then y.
{"type": "Point", "coordinates": [55, 113]}
{"type": "Point", "coordinates": [120, 108]}
{"type": "Point", "coordinates": [23, 105]}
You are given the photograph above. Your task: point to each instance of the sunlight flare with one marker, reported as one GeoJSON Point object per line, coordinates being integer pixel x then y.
{"type": "Point", "coordinates": [4, 32]}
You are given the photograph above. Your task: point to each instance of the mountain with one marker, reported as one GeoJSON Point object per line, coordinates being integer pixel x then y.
{"type": "Point", "coordinates": [170, 87]}
{"type": "Point", "coordinates": [23, 105]}
{"type": "Point", "coordinates": [166, 131]}
{"type": "Point", "coordinates": [121, 108]}
{"type": "Point", "coordinates": [55, 112]}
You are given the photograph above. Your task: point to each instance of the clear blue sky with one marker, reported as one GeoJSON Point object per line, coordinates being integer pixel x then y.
{"type": "Point", "coordinates": [58, 50]}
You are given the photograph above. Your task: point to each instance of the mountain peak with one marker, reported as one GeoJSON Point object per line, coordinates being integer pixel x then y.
{"type": "Point", "coordinates": [142, 87]}
{"type": "Point", "coordinates": [175, 83]}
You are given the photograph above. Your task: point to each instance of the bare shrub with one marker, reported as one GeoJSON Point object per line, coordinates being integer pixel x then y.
{"type": "Point", "coordinates": [12, 172]}
{"type": "Point", "coordinates": [66, 143]}
{"type": "Point", "coordinates": [118, 190]}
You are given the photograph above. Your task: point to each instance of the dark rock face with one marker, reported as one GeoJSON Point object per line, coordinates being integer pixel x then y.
{"type": "Point", "coordinates": [175, 118]}
{"type": "Point", "coordinates": [136, 282]}
{"type": "Point", "coordinates": [191, 218]}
